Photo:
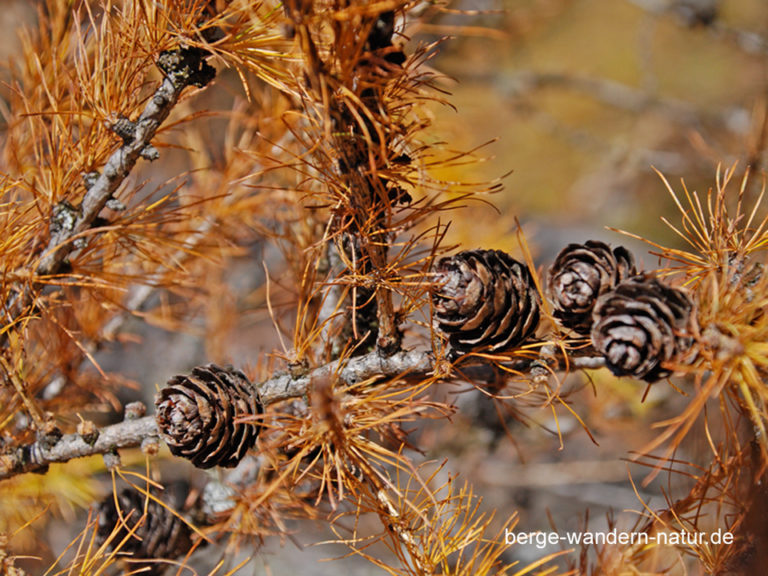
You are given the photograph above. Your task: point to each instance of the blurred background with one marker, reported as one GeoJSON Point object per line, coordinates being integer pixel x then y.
{"type": "Point", "coordinates": [574, 103]}
{"type": "Point", "coordinates": [586, 97]}
{"type": "Point", "coordinates": [581, 101]}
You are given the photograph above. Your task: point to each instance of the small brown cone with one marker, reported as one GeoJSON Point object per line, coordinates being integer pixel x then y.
{"type": "Point", "coordinates": [581, 274]}
{"type": "Point", "coordinates": [642, 325]}
{"type": "Point", "coordinates": [196, 416]}
{"type": "Point", "coordinates": [485, 300]}
{"type": "Point", "coordinates": [158, 535]}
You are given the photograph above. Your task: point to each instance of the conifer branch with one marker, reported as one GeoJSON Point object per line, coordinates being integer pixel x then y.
{"type": "Point", "coordinates": [331, 315]}
{"type": "Point", "coordinates": [133, 432]}
{"type": "Point", "coordinates": [349, 371]}
{"type": "Point", "coordinates": [37, 456]}
{"type": "Point", "coordinates": [182, 68]}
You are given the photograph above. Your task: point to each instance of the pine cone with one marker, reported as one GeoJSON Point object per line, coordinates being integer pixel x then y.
{"type": "Point", "coordinates": [642, 325]}
{"type": "Point", "coordinates": [485, 299]}
{"type": "Point", "coordinates": [159, 535]}
{"type": "Point", "coordinates": [582, 273]}
{"type": "Point", "coordinates": [196, 416]}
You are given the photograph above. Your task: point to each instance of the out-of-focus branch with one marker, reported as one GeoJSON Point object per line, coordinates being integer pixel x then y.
{"type": "Point", "coordinates": [133, 302]}
{"type": "Point", "coordinates": [613, 93]}
{"type": "Point", "coordinates": [704, 14]}
{"type": "Point", "coordinates": [522, 88]}
{"type": "Point", "coordinates": [332, 314]}
{"type": "Point", "coordinates": [134, 432]}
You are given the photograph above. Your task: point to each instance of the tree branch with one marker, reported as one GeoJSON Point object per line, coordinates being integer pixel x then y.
{"type": "Point", "coordinates": [704, 14]}
{"type": "Point", "coordinates": [132, 432]}
{"type": "Point", "coordinates": [332, 314]}
{"type": "Point", "coordinates": [182, 68]}
{"type": "Point", "coordinates": [348, 371]}
{"type": "Point", "coordinates": [37, 456]}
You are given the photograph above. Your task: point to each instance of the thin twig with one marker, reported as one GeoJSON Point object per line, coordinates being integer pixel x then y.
{"type": "Point", "coordinates": [587, 362]}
